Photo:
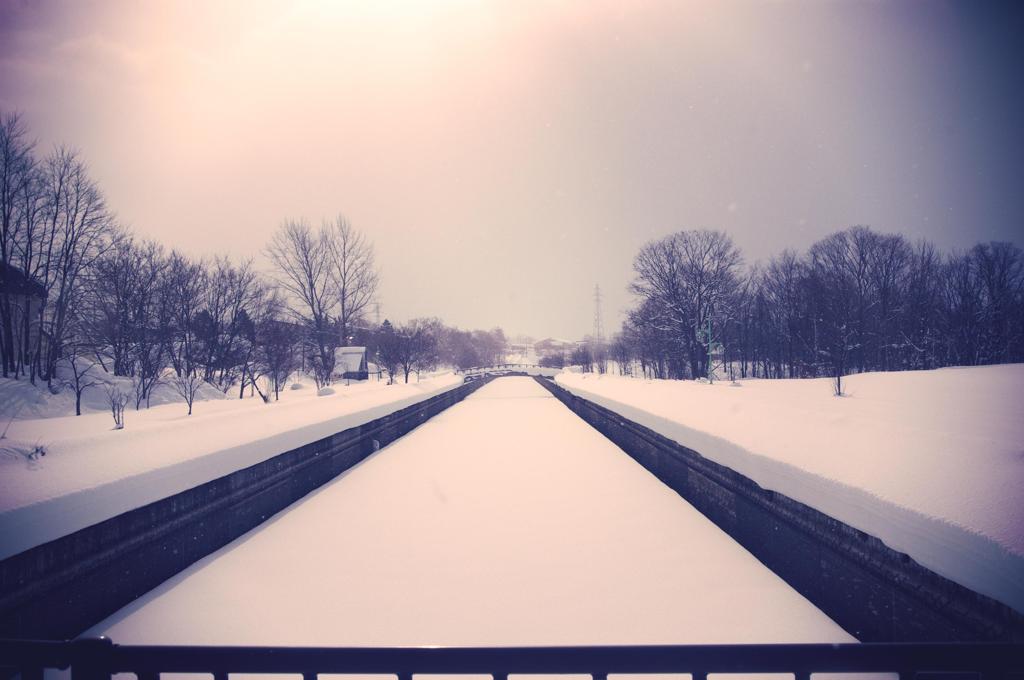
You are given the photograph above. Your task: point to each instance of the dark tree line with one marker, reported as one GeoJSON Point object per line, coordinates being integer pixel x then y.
{"type": "Point", "coordinates": [79, 293]}
{"type": "Point", "coordinates": [80, 296]}
{"type": "Point", "coordinates": [856, 301]}
{"type": "Point", "coordinates": [54, 224]}
{"type": "Point", "coordinates": [155, 316]}
{"type": "Point", "coordinates": [425, 344]}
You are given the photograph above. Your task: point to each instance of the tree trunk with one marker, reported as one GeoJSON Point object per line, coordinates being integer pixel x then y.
{"type": "Point", "coordinates": [7, 339]}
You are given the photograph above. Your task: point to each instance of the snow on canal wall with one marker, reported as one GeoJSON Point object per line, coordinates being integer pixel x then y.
{"type": "Point", "coordinates": [59, 588]}
{"type": "Point", "coordinates": [496, 456]}
{"type": "Point", "coordinates": [874, 592]}
{"type": "Point", "coordinates": [504, 521]}
{"type": "Point", "coordinates": [929, 462]}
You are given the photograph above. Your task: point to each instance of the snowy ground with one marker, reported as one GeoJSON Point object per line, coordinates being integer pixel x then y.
{"type": "Point", "coordinates": [21, 399]}
{"type": "Point", "coordinates": [505, 520]}
{"type": "Point", "coordinates": [92, 472]}
{"type": "Point", "coordinates": [931, 462]}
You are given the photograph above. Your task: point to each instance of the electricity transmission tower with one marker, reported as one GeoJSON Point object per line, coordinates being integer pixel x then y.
{"type": "Point", "coordinates": [598, 350]}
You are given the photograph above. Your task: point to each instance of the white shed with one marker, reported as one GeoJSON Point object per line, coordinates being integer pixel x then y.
{"type": "Point", "coordinates": [350, 363]}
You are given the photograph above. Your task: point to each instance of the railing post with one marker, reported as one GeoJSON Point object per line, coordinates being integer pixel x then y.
{"type": "Point", "coordinates": [91, 659]}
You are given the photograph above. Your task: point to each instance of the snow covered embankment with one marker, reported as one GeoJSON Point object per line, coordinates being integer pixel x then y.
{"type": "Point", "coordinates": [92, 473]}
{"type": "Point", "coordinates": [504, 521]}
{"type": "Point", "coordinates": [930, 462]}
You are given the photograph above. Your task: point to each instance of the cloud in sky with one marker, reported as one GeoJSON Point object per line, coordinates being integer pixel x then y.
{"type": "Point", "coordinates": [506, 156]}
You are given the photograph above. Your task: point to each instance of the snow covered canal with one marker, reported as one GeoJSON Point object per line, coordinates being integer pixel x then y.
{"type": "Point", "coordinates": [505, 520]}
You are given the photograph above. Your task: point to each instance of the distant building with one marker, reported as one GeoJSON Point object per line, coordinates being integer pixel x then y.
{"type": "Point", "coordinates": [554, 346]}
{"type": "Point", "coordinates": [350, 363]}
{"type": "Point", "coordinates": [26, 296]}
{"type": "Point", "coordinates": [17, 283]}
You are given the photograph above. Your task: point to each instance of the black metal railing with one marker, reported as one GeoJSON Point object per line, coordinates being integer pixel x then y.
{"type": "Point", "coordinates": [92, 659]}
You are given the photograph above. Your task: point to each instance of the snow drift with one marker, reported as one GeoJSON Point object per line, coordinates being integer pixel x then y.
{"type": "Point", "coordinates": [91, 472]}
{"type": "Point", "coordinates": [930, 462]}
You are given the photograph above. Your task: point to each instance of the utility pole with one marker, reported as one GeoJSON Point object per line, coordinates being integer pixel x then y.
{"type": "Point", "coordinates": [598, 322]}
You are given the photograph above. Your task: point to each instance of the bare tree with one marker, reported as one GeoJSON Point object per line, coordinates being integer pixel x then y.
{"type": "Point", "coordinates": [304, 261]}
{"type": "Point", "coordinates": [149, 372]}
{"type": "Point", "coordinates": [888, 262]}
{"type": "Point", "coordinates": [457, 348]}
{"type": "Point", "coordinates": [921, 317]}
{"type": "Point", "coordinates": [184, 292]}
{"type": "Point", "coordinates": [999, 267]}
{"type": "Point", "coordinates": [582, 357]}
{"type": "Point", "coordinates": [76, 223]}
{"type": "Point", "coordinates": [150, 323]}
{"type": "Point", "coordinates": [844, 259]}
{"type": "Point", "coordinates": [187, 384]}
{"type": "Point", "coordinates": [691, 276]}
{"type": "Point", "coordinates": [264, 304]}
{"type": "Point", "coordinates": [83, 367]}
{"type": "Point", "coordinates": [782, 287]}
{"type": "Point", "coordinates": [31, 217]}
{"type": "Point", "coordinates": [117, 401]}
{"type": "Point", "coordinates": [427, 350]}
{"type": "Point", "coordinates": [416, 346]}
{"type": "Point", "coordinates": [226, 323]}
{"type": "Point", "coordinates": [838, 299]}
{"type": "Point", "coordinates": [122, 282]}
{"type": "Point", "coordinates": [353, 272]}
{"type": "Point", "coordinates": [278, 345]}
{"type": "Point", "coordinates": [16, 175]}
{"type": "Point", "coordinates": [491, 346]}
{"type": "Point", "coordinates": [389, 349]}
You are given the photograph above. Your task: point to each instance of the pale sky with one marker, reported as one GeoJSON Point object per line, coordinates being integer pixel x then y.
{"type": "Point", "coordinates": [505, 157]}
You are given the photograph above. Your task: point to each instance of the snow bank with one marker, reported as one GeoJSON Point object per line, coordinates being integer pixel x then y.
{"type": "Point", "coordinates": [21, 399]}
{"type": "Point", "coordinates": [92, 472]}
{"type": "Point", "coordinates": [931, 462]}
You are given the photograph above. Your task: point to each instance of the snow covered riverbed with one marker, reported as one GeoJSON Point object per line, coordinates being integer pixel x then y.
{"type": "Point", "coordinates": [505, 520]}
{"type": "Point", "coordinates": [931, 462]}
{"type": "Point", "coordinates": [92, 472]}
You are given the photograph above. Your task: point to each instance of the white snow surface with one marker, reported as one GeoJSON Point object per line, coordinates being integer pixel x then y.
{"type": "Point", "coordinates": [931, 462]}
{"type": "Point", "coordinates": [91, 472]}
{"type": "Point", "coordinates": [505, 520]}
{"type": "Point", "coordinates": [21, 399]}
